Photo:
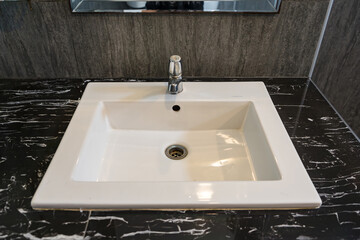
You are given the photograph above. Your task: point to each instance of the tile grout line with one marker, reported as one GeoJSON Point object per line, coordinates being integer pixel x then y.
{"type": "Point", "coordinates": [321, 37]}
{"type": "Point", "coordinates": [87, 224]}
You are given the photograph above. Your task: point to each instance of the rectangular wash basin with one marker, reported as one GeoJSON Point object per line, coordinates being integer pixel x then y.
{"type": "Point", "coordinates": [216, 145]}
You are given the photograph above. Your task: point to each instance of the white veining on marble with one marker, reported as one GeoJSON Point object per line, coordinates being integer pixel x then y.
{"type": "Point", "coordinates": [33, 120]}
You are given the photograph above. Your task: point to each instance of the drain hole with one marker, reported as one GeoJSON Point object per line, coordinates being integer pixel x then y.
{"type": "Point", "coordinates": [176, 152]}
{"type": "Point", "coordinates": [176, 108]}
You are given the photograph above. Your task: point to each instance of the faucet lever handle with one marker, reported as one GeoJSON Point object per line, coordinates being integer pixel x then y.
{"type": "Point", "coordinates": [175, 66]}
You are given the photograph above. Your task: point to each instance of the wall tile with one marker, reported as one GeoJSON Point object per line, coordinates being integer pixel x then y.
{"type": "Point", "coordinates": [337, 71]}
{"type": "Point", "coordinates": [48, 41]}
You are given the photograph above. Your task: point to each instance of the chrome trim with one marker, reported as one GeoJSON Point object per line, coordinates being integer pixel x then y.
{"type": "Point", "coordinates": [246, 6]}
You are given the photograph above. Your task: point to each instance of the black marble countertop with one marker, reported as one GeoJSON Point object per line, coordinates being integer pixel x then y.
{"type": "Point", "coordinates": [34, 115]}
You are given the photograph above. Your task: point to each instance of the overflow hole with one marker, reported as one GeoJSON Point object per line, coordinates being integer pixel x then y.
{"type": "Point", "coordinates": [176, 108]}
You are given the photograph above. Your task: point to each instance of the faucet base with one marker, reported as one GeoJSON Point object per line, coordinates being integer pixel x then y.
{"type": "Point", "coordinates": [175, 88]}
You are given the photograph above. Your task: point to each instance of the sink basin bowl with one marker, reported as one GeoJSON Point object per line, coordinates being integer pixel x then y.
{"type": "Point", "coordinates": [235, 151]}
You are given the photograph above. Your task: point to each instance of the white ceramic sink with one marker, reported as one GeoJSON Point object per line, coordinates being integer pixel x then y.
{"type": "Point", "coordinates": [112, 155]}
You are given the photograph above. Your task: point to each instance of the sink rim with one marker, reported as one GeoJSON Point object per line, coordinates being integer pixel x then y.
{"type": "Point", "coordinates": [293, 190]}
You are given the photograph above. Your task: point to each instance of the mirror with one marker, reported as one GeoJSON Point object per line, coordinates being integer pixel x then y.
{"type": "Point", "coordinates": [133, 6]}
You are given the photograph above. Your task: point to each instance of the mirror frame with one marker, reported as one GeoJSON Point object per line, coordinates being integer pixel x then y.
{"type": "Point", "coordinates": [121, 6]}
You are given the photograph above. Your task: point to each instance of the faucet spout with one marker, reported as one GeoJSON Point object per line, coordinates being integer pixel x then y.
{"type": "Point", "coordinates": [175, 75]}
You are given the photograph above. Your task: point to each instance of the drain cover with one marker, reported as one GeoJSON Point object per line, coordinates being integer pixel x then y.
{"type": "Point", "coordinates": [176, 152]}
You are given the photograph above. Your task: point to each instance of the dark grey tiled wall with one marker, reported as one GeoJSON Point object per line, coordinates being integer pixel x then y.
{"type": "Point", "coordinates": [337, 71]}
{"type": "Point", "coordinates": [48, 41]}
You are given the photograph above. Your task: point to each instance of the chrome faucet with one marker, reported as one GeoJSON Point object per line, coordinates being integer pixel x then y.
{"type": "Point", "coordinates": [175, 75]}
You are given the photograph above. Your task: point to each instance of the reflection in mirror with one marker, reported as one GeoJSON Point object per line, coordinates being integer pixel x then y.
{"type": "Point", "coordinates": [270, 6]}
